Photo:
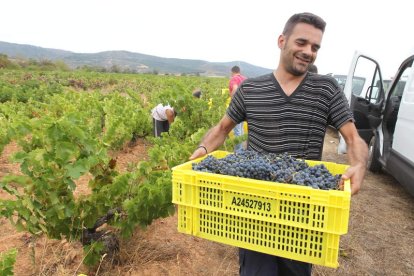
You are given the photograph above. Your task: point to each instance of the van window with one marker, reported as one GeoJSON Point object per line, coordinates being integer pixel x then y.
{"type": "Point", "coordinates": [357, 83]}
{"type": "Point", "coordinates": [399, 89]}
{"type": "Point", "coordinates": [366, 81]}
{"type": "Point", "coordinates": [341, 79]}
{"type": "Point", "coordinates": [407, 85]}
{"type": "Point", "coordinates": [394, 101]}
{"type": "Point", "coordinates": [387, 84]}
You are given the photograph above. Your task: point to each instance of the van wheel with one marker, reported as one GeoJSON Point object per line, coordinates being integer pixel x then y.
{"type": "Point", "coordinates": [373, 164]}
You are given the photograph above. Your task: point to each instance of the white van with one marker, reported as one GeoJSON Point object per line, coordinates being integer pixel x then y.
{"type": "Point", "coordinates": [384, 118]}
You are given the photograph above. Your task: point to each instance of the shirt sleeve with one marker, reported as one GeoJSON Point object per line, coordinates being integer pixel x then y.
{"type": "Point", "coordinates": [237, 110]}
{"type": "Point", "coordinates": [339, 113]}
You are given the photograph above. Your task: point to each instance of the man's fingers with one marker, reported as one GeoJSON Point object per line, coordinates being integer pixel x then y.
{"type": "Point", "coordinates": [197, 153]}
{"type": "Point", "coordinates": [341, 184]}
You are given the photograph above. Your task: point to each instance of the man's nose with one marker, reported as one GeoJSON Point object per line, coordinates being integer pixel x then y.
{"type": "Point", "coordinates": [307, 50]}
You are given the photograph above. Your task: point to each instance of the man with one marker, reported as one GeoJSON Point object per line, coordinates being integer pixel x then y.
{"type": "Point", "coordinates": [162, 117]}
{"type": "Point", "coordinates": [236, 79]}
{"type": "Point", "coordinates": [289, 111]}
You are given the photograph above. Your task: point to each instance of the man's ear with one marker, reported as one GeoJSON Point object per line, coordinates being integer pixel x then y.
{"type": "Point", "coordinates": [281, 41]}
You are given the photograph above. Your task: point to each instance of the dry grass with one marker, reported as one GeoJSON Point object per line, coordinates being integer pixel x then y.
{"type": "Point", "coordinates": [380, 240]}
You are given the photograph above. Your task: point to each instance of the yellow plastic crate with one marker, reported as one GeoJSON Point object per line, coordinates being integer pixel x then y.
{"type": "Point", "coordinates": [290, 221]}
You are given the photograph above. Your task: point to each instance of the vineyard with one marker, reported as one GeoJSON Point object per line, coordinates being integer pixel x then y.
{"type": "Point", "coordinates": [66, 125]}
{"type": "Point", "coordinates": [72, 196]}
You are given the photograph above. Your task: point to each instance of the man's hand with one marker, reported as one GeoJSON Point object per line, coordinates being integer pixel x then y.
{"type": "Point", "coordinates": [199, 152]}
{"type": "Point", "coordinates": [357, 156]}
{"type": "Point", "coordinates": [356, 175]}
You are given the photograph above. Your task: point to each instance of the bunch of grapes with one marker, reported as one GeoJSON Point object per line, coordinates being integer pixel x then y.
{"type": "Point", "coordinates": [317, 177]}
{"type": "Point", "coordinates": [281, 168]}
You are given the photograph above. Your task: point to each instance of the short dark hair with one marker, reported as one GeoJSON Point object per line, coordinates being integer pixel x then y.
{"type": "Point", "coordinates": [197, 93]}
{"type": "Point", "coordinates": [235, 69]}
{"type": "Point", "coordinates": [305, 17]}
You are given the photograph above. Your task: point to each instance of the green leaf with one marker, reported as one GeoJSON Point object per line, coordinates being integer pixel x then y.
{"type": "Point", "coordinates": [28, 204]}
{"type": "Point", "coordinates": [54, 200]}
{"type": "Point", "coordinates": [65, 151]}
{"type": "Point", "coordinates": [7, 261]}
{"type": "Point", "coordinates": [92, 253]}
{"type": "Point", "coordinates": [33, 220]}
{"type": "Point", "coordinates": [76, 170]}
{"type": "Point", "coordinates": [19, 156]}
{"type": "Point", "coordinates": [54, 131]}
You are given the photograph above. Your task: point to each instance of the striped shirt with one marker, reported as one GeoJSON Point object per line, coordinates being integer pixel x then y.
{"type": "Point", "coordinates": [295, 124]}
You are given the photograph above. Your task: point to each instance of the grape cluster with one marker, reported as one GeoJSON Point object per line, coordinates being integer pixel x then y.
{"type": "Point", "coordinates": [317, 177]}
{"type": "Point", "coordinates": [270, 167]}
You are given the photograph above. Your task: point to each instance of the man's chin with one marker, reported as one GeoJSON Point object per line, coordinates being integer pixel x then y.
{"type": "Point", "coordinates": [298, 72]}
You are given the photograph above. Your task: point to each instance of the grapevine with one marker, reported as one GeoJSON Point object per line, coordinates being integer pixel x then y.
{"type": "Point", "coordinates": [65, 130]}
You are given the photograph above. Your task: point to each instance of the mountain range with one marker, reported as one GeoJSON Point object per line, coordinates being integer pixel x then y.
{"type": "Point", "coordinates": [130, 61]}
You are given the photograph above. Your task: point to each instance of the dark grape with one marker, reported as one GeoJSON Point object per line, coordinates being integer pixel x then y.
{"type": "Point", "coordinates": [281, 168]}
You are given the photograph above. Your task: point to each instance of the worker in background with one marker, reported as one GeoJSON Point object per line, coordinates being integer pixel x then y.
{"type": "Point", "coordinates": [162, 117]}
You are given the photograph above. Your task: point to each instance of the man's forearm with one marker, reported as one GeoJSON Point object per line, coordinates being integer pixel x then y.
{"type": "Point", "coordinates": [357, 157]}
{"type": "Point", "coordinates": [213, 139]}
{"type": "Point", "coordinates": [357, 152]}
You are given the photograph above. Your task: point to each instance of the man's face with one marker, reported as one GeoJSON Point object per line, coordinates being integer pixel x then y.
{"type": "Point", "coordinates": [300, 48]}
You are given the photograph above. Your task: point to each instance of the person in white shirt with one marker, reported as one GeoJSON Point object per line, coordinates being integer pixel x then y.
{"type": "Point", "coordinates": [162, 117]}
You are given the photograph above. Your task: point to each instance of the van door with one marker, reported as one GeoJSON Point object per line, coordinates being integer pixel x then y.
{"type": "Point", "coordinates": [365, 93]}
{"type": "Point", "coordinates": [398, 149]}
{"type": "Point", "coordinates": [404, 127]}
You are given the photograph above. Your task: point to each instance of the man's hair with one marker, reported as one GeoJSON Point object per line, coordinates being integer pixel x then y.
{"type": "Point", "coordinates": [197, 93]}
{"type": "Point", "coordinates": [305, 17]}
{"type": "Point", "coordinates": [235, 69]}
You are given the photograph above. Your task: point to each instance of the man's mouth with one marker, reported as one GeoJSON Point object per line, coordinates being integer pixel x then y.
{"type": "Point", "coordinates": [304, 60]}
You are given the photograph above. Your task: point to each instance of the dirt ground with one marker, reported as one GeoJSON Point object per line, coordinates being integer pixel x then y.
{"type": "Point", "coordinates": [380, 240]}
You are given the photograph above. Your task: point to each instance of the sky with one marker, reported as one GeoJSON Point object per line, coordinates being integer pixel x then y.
{"type": "Point", "coordinates": [214, 30]}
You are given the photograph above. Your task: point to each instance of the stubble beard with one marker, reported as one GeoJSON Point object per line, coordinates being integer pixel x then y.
{"type": "Point", "coordinates": [290, 67]}
{"type": "Point", "coordinates": [294, 70]}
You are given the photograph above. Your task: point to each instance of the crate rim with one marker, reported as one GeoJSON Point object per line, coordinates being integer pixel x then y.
{"type": "Point", "coordinates": [179, 168]}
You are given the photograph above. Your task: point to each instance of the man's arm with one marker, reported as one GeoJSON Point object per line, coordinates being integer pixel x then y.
{"type": "Point", "coordinates": [357, 151]}
{"type": "Point", "coordinates": [234, 88]}
{"type": "Point", "coordinates": [215, 137]}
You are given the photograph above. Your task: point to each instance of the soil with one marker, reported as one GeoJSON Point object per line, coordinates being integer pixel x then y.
{"type": "Point", "coordinates": [380, 240]}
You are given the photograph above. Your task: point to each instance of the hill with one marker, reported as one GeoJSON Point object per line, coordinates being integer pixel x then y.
{"type": "Point", "coordinates": [133, 62]}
